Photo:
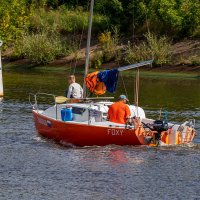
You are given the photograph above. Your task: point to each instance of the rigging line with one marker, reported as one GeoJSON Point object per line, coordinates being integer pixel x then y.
{"type": "Point", "coordinates": [74, 39]}
{"type": "Point", "coordinates": [70, 67]}
{"type": "Point", "coordinates": [148, 30]}
{"type": "Point", "coordinates": [137, 90]}
{"type": "Point", "coordinates": [79, 46]}
{"type": "Point", "coordinates": [135, 82]}
{"type": "Point", "coordinates": [72, 43]}
{"type": "Point", "coordinates": [147, 23]}
{"type": "Point", "coordinates": [106, 17]}
{"type": "Point", "coordinates": [122, 80]}
{"type": "Point", "coordinates": [124, 85]}
{"type": "Point", "coordinates": [133, 22]}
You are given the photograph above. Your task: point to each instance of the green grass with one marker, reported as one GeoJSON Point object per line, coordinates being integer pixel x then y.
{"type": "Point", "coordinates": [158, 48]}
{"type": "Point", "coordinates": [64, 20]}
{"type": "Point", "coordinates": [42, 48]}
{"type": "Point", "coordinates": [159, 75]}
{"type": "Point", "coordinates": [54, 34]}
{"type": "Point", "coordinates": [30, 68]}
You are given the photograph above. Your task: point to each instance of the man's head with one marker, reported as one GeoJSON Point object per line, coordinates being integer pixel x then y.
{"type": "Point", "coordinates": [71, 79]}
{"type": "Point", "coordinates": [123, 98]}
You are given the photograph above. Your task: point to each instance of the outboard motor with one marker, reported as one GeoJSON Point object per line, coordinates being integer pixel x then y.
{"type": "Point", "coordinates": [159, 126]}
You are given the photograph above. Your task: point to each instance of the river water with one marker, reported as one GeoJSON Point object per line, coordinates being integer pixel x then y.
{"type": "Point", "coordinates": [38, 169]}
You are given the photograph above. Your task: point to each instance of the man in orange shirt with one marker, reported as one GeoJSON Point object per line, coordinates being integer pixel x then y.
{"type": "Point", "coordinates": [119, 112]}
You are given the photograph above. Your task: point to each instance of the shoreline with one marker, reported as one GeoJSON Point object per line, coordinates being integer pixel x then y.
{"type": "Point", "coordinates": [182, 54]}
{"type": "Point", "coordinates": [183, 72]}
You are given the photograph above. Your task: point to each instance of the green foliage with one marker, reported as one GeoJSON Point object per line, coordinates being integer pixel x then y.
{"type": "Point", "coordinates": [157, 48]}
{"type": "Point", "coordinates": [97, 59]}
{"type": "Point", "coordinates": [109, 48]}
{"type": "Point", "coordinates": [192, 60]}
{"type": "Point", "coordinates": [14, 17]}
{"type": "Point", "coordinates": [64, 21]}
{"type": "Point", "coordinates": [41, 48]}
{"type": "Point", "coordinates": [177, 18]}
{"type": "Point", "coordinates": [191, 20]}
{"type": "Point", "coordinates": [195, 60]}
{"type": "Point", "coordinates": [111, 8]}
{"type": "Point", "coordinates": [23, 20]}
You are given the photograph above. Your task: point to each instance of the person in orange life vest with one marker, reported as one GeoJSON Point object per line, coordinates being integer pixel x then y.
{"type": "Point", "coordinates": [119, 112]}
{"type": "Point", "coordinates": [74, 90]}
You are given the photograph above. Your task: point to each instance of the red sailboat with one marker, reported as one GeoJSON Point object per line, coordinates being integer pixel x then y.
{"type": "Point", "coordinates": [83, 122]}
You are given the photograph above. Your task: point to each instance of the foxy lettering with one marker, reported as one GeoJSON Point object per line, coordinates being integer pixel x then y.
{"type": "Point", "coordinates": [115, 132]}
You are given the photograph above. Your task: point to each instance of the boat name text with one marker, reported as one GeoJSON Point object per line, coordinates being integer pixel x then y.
{"type": "Point", "coordinates": [115, 132]}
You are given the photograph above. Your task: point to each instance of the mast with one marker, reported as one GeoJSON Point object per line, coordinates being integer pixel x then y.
{"type": "Point", "coordinates": [1, 79]}
{"type": "Point", "coordinates": [87, 52]}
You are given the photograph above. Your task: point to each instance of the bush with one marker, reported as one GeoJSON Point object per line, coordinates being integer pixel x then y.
{"type": "Point", "coordinates": [41, 48]}
{"type": "Point", "coordinates": [109, 47]}
{"type": "Point", "coordinates": [14, 17]}
{"type": "Point", "coordinates": [192, 60]}
{"type": "Point", "coordinates": [196, 32]}
{"type": "Point", "coordinates": [65, 21]}
{"type": "Point", "coordinates": [97, 59]}
{"type": "Point", "coordinates": [157, 48]}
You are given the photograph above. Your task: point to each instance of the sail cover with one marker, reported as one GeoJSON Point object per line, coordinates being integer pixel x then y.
{"type": "Point", "coordinates": [100, 82]}
{"type": "Point", "coordinates": [109, 78]}
{"type": "Point", "coordinates": [94, 85]}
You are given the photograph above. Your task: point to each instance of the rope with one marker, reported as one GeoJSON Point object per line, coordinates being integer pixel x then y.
{"type": "Point", "coordinates": [137, 89]}
{"type": "Point", "coordinates": [73, 69]}
{"type": "Point", "coordinates": [122, 80]}
{"type": "Point", "coordinates": [133, 23]}
{"type": "Point", "coordinates": [147, 24]}
{"type": "Point", "coordinates": [79, 46]}
{"type": "Point", "coordinates": [124, 85]}
{"type": "Point", "coordinates": [106, 17]}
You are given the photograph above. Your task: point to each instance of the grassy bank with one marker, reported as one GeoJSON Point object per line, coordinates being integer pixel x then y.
{"type": "Point", "coordinates": [175, 72]}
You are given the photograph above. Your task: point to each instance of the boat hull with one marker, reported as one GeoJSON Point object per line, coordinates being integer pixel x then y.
{"type": "Point", "coordinates": [85, 134]}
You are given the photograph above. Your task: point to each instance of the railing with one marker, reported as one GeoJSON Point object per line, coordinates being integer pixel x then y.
{"type": "Point", "coordinates": [62, 99]}
{"type": "Point", "coordinates": [33, 100]}
{"type": "Point", "coordinates": [35, 103]}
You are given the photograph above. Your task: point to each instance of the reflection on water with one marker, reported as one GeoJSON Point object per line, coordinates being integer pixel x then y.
{"type": "Point", "coordinates": [34, 168]}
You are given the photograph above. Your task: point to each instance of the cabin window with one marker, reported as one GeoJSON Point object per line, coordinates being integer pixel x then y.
{"type": "Point", "coordinates": [78, 111]}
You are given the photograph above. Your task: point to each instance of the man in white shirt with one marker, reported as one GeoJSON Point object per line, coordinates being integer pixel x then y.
{"type": "Point", "coordinates": [74, 90]}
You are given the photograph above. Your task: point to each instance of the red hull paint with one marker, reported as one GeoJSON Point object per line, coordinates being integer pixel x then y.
{"type": "Point", "coordinates": [86, 135]}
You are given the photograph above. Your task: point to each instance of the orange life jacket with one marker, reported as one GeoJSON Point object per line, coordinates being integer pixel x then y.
{"type": "Point", "coordinates": [94, 85]}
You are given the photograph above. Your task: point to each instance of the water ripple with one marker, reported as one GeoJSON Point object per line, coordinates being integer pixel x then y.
{"type": "Point", "coordinates": [34, 168]}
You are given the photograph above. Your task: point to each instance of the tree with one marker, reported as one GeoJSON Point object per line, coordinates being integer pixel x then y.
{"type": "Point", "coordinates": [14, 16]}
